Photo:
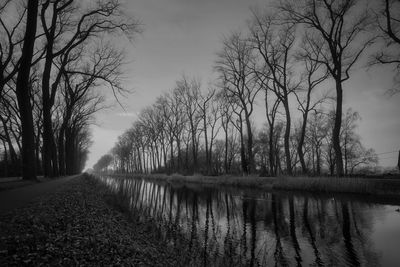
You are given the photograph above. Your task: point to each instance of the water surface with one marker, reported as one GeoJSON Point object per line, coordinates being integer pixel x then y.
{"type": "Point", "coordinates": [254, 228]}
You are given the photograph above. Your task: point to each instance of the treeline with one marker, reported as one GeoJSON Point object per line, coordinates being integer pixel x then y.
{"type": "Point", "coordinates": [286, 58]}
{"type": "Point", "coordinates": [55, 55]}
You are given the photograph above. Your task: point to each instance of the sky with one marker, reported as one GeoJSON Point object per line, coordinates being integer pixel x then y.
{"type": "Point", "coordinates": [183, 36]}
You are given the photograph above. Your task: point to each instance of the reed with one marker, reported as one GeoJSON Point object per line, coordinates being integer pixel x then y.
{"type": "Point", "coordinates": [228, 180]}
{"type": "Point", "coordinates": [342, 185]}
{"type": "Point", "coordinates": [313, 184]}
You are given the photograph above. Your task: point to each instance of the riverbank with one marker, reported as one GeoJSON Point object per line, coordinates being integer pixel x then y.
{"type": "Point", "coordinates": [371, 186]}
{"type": "Point", "coordinates": [80, 224]}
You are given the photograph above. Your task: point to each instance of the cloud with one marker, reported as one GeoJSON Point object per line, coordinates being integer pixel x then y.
{"type": "Point", "coordinates": [127, 114]}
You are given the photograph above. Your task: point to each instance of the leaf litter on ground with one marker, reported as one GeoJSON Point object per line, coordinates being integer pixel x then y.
{"type": "Point", "coordinates": [76, 226]}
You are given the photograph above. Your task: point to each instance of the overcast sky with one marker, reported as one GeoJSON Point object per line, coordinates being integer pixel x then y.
{"type": "Point", "coordinates": [183, 36]}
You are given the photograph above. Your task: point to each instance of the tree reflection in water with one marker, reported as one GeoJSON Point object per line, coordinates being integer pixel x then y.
{"type": "Point", "coordinates": [251, 228]}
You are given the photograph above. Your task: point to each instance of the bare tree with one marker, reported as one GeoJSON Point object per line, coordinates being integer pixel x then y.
{"type": "Point", "coordinates": [318, 131]}
{"type": "Point", "coordinates": [388, 21]}
{"type": "Point", "coordinates": [226, 118]}
{"type": "Point", "coordinates": [66, 26]}
{"type": "Point", "coordinates": [209, 118]}
{"type": "Point", "coordinates": [10, 31]}
{"type": "Point", "coordinates": [188, 94]}
{"type": "Point", "coordinates": [103, 163]}
{"type": "Point", "coordinates": [77, 134]}
{"type": "Point", "coordinates": [234, 65]}
{"type": "Point", "coordinates": [337, 29]}
{"type": "Point", "coordinates": [23, 94]}
{"type": "Point", "coordinates": [96, 65]}
{"type": "Point", "coordinates": [271, 112]}
{"type": "Point", "coordinates": [275, 45]}
{"type": "Point", "coordinates": [312, 77]}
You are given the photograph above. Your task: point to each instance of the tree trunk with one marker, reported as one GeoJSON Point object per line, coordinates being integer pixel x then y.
{"type": "Point", "coordinates": [194, 150]}
{"type": "Point", "coordinates": [37, 146]}
{"type": "Point", "coordinates": [172, 155]}
{"type": "Point", "coordinates": [336, 129]}
{"type": "Point", "coordinates": [250, 160]}
{"type": "Point", "coordinates": [271, 159]}
{"type": "Point", "coordinates": [178, 147]}
{"type": "Point", "coordinates": [301, 143]}
{"type": "Point", "coordinates": [242, 153]}
{"type": "Point", "coordinates": [5, 161]}
{"type": "Point", "coordinates": [287, 138]}
{"type": "Point", "coordinates": [226, 150]}
{"type": "Point", "coordinates": [318, 154]}
{"type": "Point", "coordinates": [206, 143]}
{"type": "Point", "coordinates": [24, 94]}
{"type": "Point", "coordinates": [69, 143]}
{"type": "Point", "coordinates": [61, 150]}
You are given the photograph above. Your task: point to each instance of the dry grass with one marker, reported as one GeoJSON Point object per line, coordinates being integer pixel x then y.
{"type": "Point", "coordinates": [342, 185]}
{"type": "Point", "coordinates": [327, 184]}
{"type": "Point", "coordinates": [229, 180]}
{"type": "Point", "coordinates": [313, 184]}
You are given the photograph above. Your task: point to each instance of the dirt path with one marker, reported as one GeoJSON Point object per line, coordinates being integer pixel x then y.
{"type": "Point", "coordinates": [83, 224]}
{"type": "Point", "coordinates": [14, 198]}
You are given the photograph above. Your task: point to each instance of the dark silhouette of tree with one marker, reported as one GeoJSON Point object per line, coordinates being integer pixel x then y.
{"type": "Point", "coordinates": [234, 65]}
{"type": "Point", "coordinates": [388, 21]}
{"type": "Point", "coordinates": [88, 68]}
{"type": "Point", "coordinates": [226, 122]}
{"type": "Point", "coordinates": [312, 77]}
{"type": "Point", "coordinates": [275, 44]}
{"type": "Point", "coordinates": [66, 27]}
{"type": "Point", "coordinates": [23, 94]}
{"type": "Point", "coordinates": [355, 154]}
{"type": "Point", "coordinates": [338, 30]}
{"type": "Point", "coordinates": [210, 114]}
{"type": "Point", "coordinates": [318, 132]}
{"type": "Point", "coordinates": [188, 94]}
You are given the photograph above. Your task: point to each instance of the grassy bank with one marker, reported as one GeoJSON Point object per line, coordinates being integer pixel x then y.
{"type": "Point", "coordinates": [81, 224]}
{"type": "Point", "coordinates": [312, 184]}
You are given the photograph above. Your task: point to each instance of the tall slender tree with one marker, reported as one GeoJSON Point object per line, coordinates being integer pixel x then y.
{"type": "Point", "coordinates": [24, 94]}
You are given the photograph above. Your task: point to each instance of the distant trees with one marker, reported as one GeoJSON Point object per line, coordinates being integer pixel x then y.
{"type": "Point", "coordinates": [103, 163]}
{"type": "Point", "coordinates": [52, 68]}
{"type": "Point", "coordinates": [152, 144]}
{"type": "Point", "coordinates": [355, 154]}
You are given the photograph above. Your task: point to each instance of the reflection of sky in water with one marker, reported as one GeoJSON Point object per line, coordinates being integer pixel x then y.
{"type": "Point", "coordinates": [250, 227]}
{"type": "Point", "coordinates": [386, 234]}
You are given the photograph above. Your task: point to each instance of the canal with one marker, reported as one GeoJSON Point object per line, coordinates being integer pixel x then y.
{"type": "Point", "coordinates": [250, 227]}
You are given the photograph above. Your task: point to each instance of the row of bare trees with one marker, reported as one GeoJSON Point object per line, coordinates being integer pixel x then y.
{"type": "Point", "coordinates": [291, 54]}
{"type": "Point", "coordinates": [161, 139]}
{"type": "Point", "coordinates": [54, 57]}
